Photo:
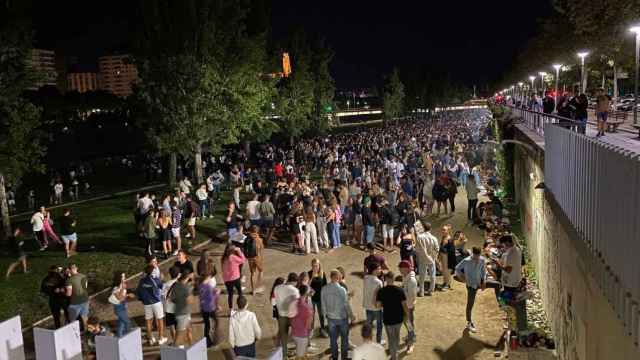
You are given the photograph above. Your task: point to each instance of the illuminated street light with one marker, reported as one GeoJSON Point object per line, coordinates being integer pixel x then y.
{"type": "Point", "coordinates": [533, 85]}
{"type": "Point", "coordinates": [636, 30]}
{"type": "Point", "coordinates": [583, 81]}
{"type": "Point", "coordinates": [542, 75]}
{"type": "Point", "coordinates": [555, 97]}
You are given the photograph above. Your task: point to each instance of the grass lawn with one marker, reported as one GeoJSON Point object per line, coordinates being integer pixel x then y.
{"type": "Point", "coordinates": [106, 243]}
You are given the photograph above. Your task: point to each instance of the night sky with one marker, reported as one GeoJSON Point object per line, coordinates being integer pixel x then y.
{"type": "Point", "coordinates": [473, 41]}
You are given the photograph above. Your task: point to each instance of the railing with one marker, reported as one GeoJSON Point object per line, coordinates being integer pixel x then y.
{"type": "Point", "coordinates": [537, 121]}
{"type": "Point", "coordinates": [597, 185]}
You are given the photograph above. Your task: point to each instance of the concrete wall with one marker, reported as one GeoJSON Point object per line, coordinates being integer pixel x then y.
{"type": "Point", "coordinates": [583, 322]}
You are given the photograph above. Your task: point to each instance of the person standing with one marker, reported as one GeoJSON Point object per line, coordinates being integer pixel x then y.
{"type": "Point", "coordinates": [169, 306]}
{"type": "Point", "coordinates": [37, 225]}
{"type": "Point", "coordinates": [603, 102]}
{"type": "Point", "coordinates": [427, 253]}
{"type": "Point", "coordinates": [253, 211]}
{"type": "Point", "coordinates": [68, 232]}
{"type": "Point", "coordinates": [368, 350]}
{"type": "Point", "coordinates": [180, 296]}
{"type": "Point", "coordinates": [53, 286]}
{"type": "Point", "coordinates": [119, 299]}
{"type": "Point", "coordinates": [267, 213]}
{"type": "Point", "coordinates": [335, 303]}
{"type": "Point", "coordinates": [472, 270]}
{"type": "Point", "coordinates": [393, 302]}
{"type": "Point", "coordinates": [372, 284]}
{"type": "Point", "coordinates": [317, 280]}
{"type": "Point", "coordinates": [208, 296]}
{"type": "Point", "coordinates": [149, 231]}
{"type": "Point", "coordinates": [176, 222]}
{"type": "Point", "coordinates": [285, 295]}
{"type": "Point", "coordinates": [203, 201]}
{"type": "Point", "coordinates": [302, 323]}
{"type": "Point", "coordinates": [368, 223]}
{"type": "Point", "coordinates": [472, 198]}
{"type": "Point", "coordinates": [446, 255]}
{"type": "Point", "coordinates": [232, 260]}
{"type": "Point", "coordinates": [310, 233]}
{"type": "Point", "coordinates": [410, 287]}
{"type": "Point", "coordinates": [149, 292]}
{"type": "Point", "coordinates": [511, 265]}
{"type": "Point", "coordinates": [76, 290]}
{"type": "Point", "coordinates": [244, 330]}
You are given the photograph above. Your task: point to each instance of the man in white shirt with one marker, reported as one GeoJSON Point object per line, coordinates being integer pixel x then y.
{"type": "Point", "coordinates": [427, 251]}
{"type": "Point", "coordinates": [37, 225]}
{"type": "Point", "coordinates": [372, 284]}
{"type": "Point", "coordinates": [369, 350]}
{"type": "Point", "coordinates": [511, 264]}
{"type": "Point", "coordinates": [253, 211]}
{"type": "Point", "coordinates": [244, 330]}
{"type": "Point", "coordinates": [185, 185]}
{"type": "Point", "coordinates": [285, 295]}
{"type": "Point", "coordinates": [57, 191]}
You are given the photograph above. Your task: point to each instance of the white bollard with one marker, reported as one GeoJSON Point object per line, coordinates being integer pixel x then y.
{"type": "Point", "coordinates": [197, 351]}
{"type": "Point", "coordinates": [128, 347]}
{"type": "Point", "coordinates": [11, 343]}
{"type": "Point", "coordinates": [60, 344]}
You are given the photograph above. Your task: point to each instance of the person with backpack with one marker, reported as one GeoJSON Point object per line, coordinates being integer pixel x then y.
{"type": "Point", "coordinates": [149, 291]}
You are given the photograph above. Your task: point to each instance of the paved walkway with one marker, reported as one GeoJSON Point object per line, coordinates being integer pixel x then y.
{"type": "Point", "coordinates": [440, 319]}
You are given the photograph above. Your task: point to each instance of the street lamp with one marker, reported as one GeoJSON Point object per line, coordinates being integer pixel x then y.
{"type": "Point", "coordinates": [636, 30]}
{"type": "Point", "coordinates": [533, 85]}
{"type": "Point", "coordinates": [583, 80]}
{"type": "Point", "coordinates": [542, 75]}
{"type": "Point", "coordinates": [521, 93]}
{"type": "Point", "coordinates": [555, 97]}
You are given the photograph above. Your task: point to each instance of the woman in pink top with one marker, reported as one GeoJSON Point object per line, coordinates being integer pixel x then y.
{"type": "Point", "coordinates": [48, 230]}
{"type": "Point", "coordinates": [232, 259]}
{"type": "Point", "coordinates": [301, 324]}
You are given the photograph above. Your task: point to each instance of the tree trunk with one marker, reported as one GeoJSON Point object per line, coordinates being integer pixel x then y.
{"type": "Point", "coordinates": [603, 81]}
{"type": "Point", "coordinates": [173, 167]}
{"type": "Point", "coordinates": [615, 84]}
{"type": "Point", "coordinates": [4, 209]}
{"type": "Point", "coordinates": [247, 148]}
{"type": "Point", "coordinates": [291, 141]}
{"type": "Point", "coordinates": [198, 165]}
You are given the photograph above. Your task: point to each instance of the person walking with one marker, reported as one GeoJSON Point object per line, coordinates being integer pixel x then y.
{"type": "Point", "coordinates": [253, 250]}
{"type": "Point", "coordinates": [149, 231]}
{"type": "Point", "coordinates": [368, 350]}
{"type": "Point", "coordinates": [446, 254]}
{"type": "Point", "coordinates": [149, 292]}
{"type": "Point", "coordinates": [232, 259]}
{"type": "Point", "coordinates": [472, 198]}
{"type": "Point", "coordinates": [472, 270]}
{"type": "Point", "coordinates": [393, 302]}
{"type": "Point", "coordinates": [410, 288]}
{"type": "Point", "coordinates": [427, 253]}
{"type": "Point", "coordinates": [373, 284]}
{"type": "Point", "coordinates": [244, 330]}
{"type": "Point", "coordinates": [181, 296]}
{"type": "Point", "coordinates": [285, 295]}
{"type": "Point", "coordinates": [118, 299]}
{"type": "Point", "coordinates": [335, 303]}
{"type": "Point", "coordinates": [16, 244]}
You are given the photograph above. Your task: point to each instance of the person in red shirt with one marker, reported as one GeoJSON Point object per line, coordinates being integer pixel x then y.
{"type": "Point", "coordinates": [279, 170]}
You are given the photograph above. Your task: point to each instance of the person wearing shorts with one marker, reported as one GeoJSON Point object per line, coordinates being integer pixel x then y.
{"type": "Point", "coordinates": [603, 102]}
{"type": "Point", "coordinates": [68, 232]}
{"type": "Point", "coordinates": [76, 289]}
{"type": "Point", "coordinates": [169, 306]}
{"type": "Point", "coordinates": [149, 291]}
{"type": "Point", "coordinates": [180, 296]}
{"type": "Point", "coordinates": [253, 252]}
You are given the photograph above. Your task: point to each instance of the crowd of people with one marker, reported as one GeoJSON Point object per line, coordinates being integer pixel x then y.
{"type": "Point", "coordinates": [370, 189]}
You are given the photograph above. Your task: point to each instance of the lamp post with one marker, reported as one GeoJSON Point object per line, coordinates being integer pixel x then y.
{"type": "Point", "coordinates": [555, 97]}
{"type": "Point", "coordinates": [583, 80]}
{"type": "Point", "coordinates": [533, 85]}
{"type": "Point", "coordinates": [542, 85]}
{"type": "Point", "coordinates": [636, 30]}
{"type": "Point", "coordinates": [521, 93]}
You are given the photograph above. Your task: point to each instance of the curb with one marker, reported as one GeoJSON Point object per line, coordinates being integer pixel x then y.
{"type": "Point", "coordinates": [101, 197]}
{"type": "Point", "coordinates": [103, 291]}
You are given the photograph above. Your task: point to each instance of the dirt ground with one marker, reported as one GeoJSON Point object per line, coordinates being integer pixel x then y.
{"type": "Point", "coordinates": [440, 319]}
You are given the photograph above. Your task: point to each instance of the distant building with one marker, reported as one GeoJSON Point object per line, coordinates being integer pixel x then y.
{"type": "Point", "coordinates": [82, 81]}
{"type": "Point", "coordinates": [117, 74]}
{"type": "Point", "coordinates": [44, 63]}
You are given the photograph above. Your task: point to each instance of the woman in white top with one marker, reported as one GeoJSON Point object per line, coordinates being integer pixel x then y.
{"type": "Point", "coordinates": [118, 299]}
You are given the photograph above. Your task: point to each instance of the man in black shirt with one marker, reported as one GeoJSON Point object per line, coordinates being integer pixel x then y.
{"type": "Point", "coordinates": [68, 232]}
{"type": "Point", "coordinates": [15, 243]}
{"type": "Point", "coordinates": [394, 307]}
{"type": "Point", "coordinates": [184, 264]}
{"type": "Point", "coordinates": [368, 222]}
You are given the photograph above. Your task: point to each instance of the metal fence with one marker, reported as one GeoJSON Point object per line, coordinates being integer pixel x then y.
{"type": "Point", "coordinates": [537, 121]}
{"type": "Point", "coordinates": [597, 185]}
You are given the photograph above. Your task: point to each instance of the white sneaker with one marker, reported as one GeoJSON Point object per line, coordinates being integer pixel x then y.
{"type": "Point", "coordinates": [163, 341]}
{"type": "Point", "coordinates": [153, 342]}
{"type": "Point", "coordinates": [243, 279]}
{"type": "Point", "coordinates": [471, 327]}
{"type": "Point", "coordinates": [174, 253]}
